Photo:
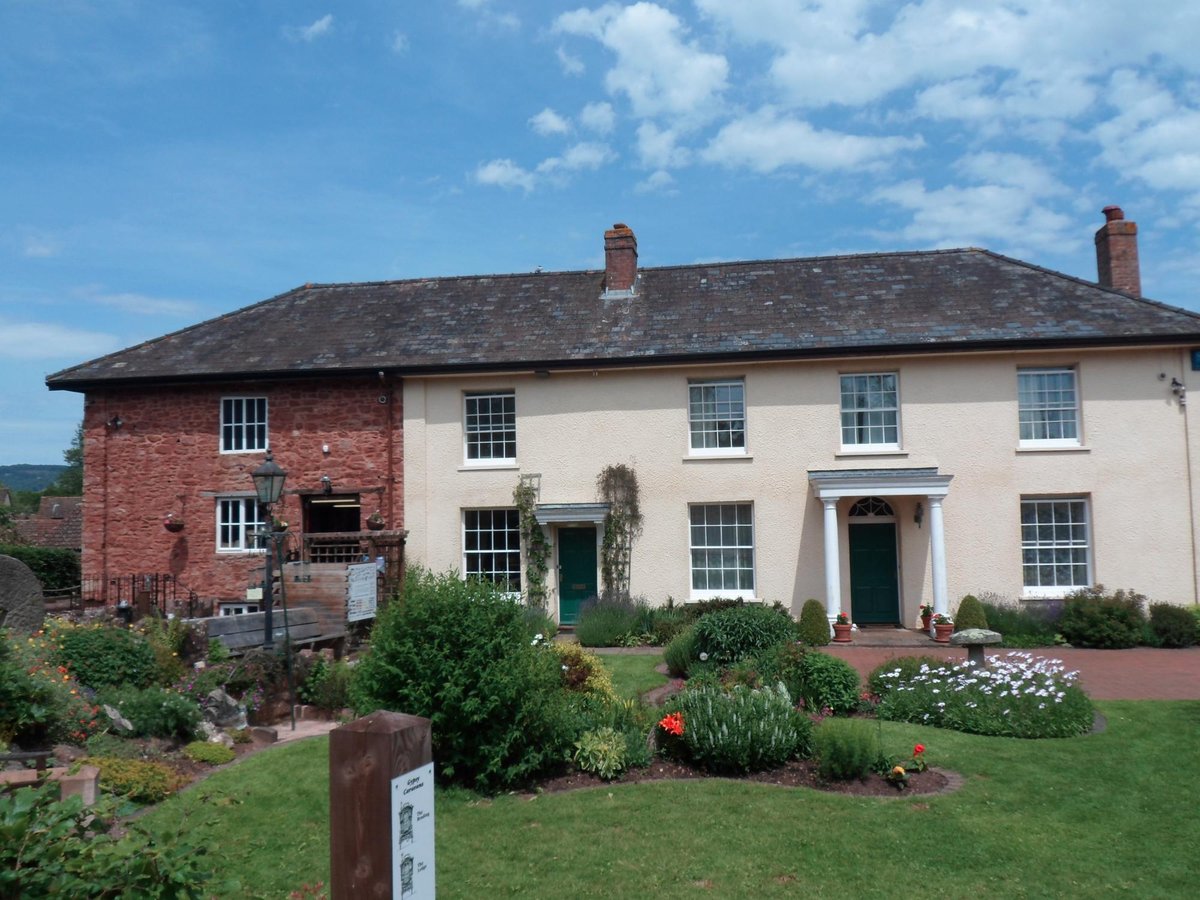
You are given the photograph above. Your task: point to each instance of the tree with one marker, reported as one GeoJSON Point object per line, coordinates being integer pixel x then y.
{"type": "Point", "coordinates": [70, 482]}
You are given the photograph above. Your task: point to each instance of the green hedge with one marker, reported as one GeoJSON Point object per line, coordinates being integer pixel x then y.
{"type": "Point", "coordinates": [56, 569]}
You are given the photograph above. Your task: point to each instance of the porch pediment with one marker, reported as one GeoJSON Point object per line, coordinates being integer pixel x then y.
{"type": "Point", "coordinates": [832, 484]}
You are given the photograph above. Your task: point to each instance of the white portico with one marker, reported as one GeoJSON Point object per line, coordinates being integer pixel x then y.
{"type": "Point", "coordinates": [831, 486]}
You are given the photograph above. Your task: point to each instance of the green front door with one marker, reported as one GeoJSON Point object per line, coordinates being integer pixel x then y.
{"type": "Point", "coordinates": [874, 590]}
{"type": "Point", "coordinates": [576, 571]}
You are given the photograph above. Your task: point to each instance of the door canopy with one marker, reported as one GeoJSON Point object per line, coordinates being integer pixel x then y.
{"type": "Point", "coordinates": [874, 483]}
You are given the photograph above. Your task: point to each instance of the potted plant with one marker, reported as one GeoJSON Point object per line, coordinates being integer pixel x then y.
{"type": "Point", "coordinates": [375, 521]}
{"type": "Point", "coordinates": [172, 524]}
{"type": "Point", "coordinates": [926, 616]}
{"type": "Point", "coordinates": [943, 627]}
{"type": "Point", "coordinates": [842, 628]}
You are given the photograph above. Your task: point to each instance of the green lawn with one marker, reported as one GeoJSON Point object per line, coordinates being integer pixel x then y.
{"type": "Point", "coordinates": [633, 673]}
{"type": "Point", "coordinates": [1101, 814]}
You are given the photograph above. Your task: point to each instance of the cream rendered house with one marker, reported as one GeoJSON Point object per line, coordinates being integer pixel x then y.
{"type": "Point", "coordinates": [875, 431]}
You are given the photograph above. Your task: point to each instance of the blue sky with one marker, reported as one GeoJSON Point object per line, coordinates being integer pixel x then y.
{"type": "Point", "coordinates": [162, 163]}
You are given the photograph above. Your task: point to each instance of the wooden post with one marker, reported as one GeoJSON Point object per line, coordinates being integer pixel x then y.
{"type": "Point", "coordinates": [381, 808]}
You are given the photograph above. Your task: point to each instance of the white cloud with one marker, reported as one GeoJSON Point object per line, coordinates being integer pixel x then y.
{"type": "Point", "coordinates": [598, 117]}
{"type": "Point", "coordinates": [584, 155]}
{"type": "Point", "coordinates": [1012, 170]}
{"type": "Point", "coordinates": [658, 148]}
{"type": "Point", "coordinates": [660, 72]}
{"type": "Point", "coordinates": [488, 17]}
{"type": "Point", "coordinates": [571, 65]}
{"type": "Point", "coordinates": [549, 122]}
{"type": "Point", "coordinates": [147, 306]}
{"type": "Point", "coordinates": [40, 247]}
{"type": "Point", "coordinates": [309, 33]}
{"type": "Point", "coordinates": [659, 182]}
{"type": "Point", "coordinates": [504, 173]}
{"type": "Point", "coordinates": [399, 42]}
{"type": "Point", "coordinates": [999, 216]}
{"type": "Point", "coordinates": [765, 142]}
{"type": "Point", "coordinates": [45, 340]}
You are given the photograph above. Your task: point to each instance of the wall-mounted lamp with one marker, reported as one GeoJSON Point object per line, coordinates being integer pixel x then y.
{"type": "Point", "coordinates": [326, 484]}
{"type": "Point", "coordinates": [1179, 389]}
{"type": "Point", "coordinates": [115, 423]}
{"type": "Point", "coordinates": [325, 449]}
{"type": "Point", "coordinates": [919, 513]}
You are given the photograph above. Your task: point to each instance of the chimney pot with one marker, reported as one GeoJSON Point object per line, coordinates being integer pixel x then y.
{"type": "Point", "coordinates": [620, 258]}
{"type": "Point", "coordinates": [1117, 253]}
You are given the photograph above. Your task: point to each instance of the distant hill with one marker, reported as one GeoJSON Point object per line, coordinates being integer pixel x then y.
{"type": "Point", "coordinates": [28, 477]}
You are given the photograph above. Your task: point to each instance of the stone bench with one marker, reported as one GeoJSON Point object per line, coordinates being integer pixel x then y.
{"type": "Point", "coordinates": [975, 639]}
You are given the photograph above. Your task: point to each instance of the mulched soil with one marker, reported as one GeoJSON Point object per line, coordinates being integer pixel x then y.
{"type": "Point", "coordinates": [798, 773]}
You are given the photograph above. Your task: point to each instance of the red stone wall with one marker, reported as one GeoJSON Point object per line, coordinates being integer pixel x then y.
{"type": "Point", "coordinates": [165, 458]}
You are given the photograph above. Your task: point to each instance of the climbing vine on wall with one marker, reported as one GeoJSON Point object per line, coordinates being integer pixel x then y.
{"type": "Point", "coordinates": [533, 540]}
{"type": "Point", "coordinates": [618, 487]}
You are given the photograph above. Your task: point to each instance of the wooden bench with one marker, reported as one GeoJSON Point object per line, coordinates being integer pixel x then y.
{"type": "Point", "coordinates": [244, 632]}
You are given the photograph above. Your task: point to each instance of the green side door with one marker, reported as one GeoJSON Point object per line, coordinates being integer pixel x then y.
{"type": "Point", "coordinates": [576, 571]}
{"type": "Point", "coordinates": [874, 586]}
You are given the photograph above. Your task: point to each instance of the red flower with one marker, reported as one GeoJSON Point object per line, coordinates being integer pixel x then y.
{"type": "Point", "coordinates": [918, 750]}
{"type": "Point", "coordinates": [672, 724]}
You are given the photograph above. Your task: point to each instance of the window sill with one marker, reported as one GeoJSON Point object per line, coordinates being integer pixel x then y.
{"type": "Point", "coordinates": [723, 457]}
{"type": "Point", "coordinates": [846, 452]}
{"type": "Point", "coordinates": [489, 467]}
{"type": "Point", "coordinates": [241, 552]}
{"type": "Point", "coordinates": [1053, 448]}
{"type": "Point", "coordinates": [1058, 593]}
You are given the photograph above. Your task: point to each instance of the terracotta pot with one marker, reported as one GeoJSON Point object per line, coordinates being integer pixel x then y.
{"type": "Point", "coordinates": [925, 620]}
{"type": "Point", "coordinates": [942, 632]}
{"type": "Point", "coordinates": [841, 633]}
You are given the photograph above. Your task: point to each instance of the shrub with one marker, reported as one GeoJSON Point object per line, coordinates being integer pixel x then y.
{"type": "Point", "coordinates": [136, 780]}
{"type": "Point", "coordinates": [702, 608]}
{"type": "Point", "coordinates": [846, 748]}
{"type": "Point", "coordinates": [101, 656]}
{"type": "Point", "coordinates": [538, 621]}
{"type": "Point", "coordinates": [631, 718]}
{"type": "Point", "coordinates": [731, 635]}
{"type": "Point", "coordinates": [1020, 626]}
{"type": "Point", "coordinates": [209, 752]}
{"type": "Point", "coordinates": [970, 614]}
{"type": "Point", "coordinates": [885, 676]}
{"type": "Point", "coordinates": [168, 639]}
{"type": "Point", "coordinates": [680, 654]}
{"type": "Point", "coordinates": [742, 730]}
{"type": "Point", "coordinates": [457, 653]}
{"type": "Point", "coordinates": [828, 683]}
{"type": "Point", "coordinates": [606, 623]}
{"type": "Point", "coordinates": [326, 685]}
{"type": "Point", "coordinates": [155, 711]}
{"type": "Point", "coordinates": [601, 752]}
{"type": "Point", "coordinates": [814, 624]}
{"type": "Point", "coordinates": [28, 705]}
{"type": "Point", "coordinates": [583, 671]}
{"type": "Point", "coordinates": [666, 622]}
{"type": "Point", "coordinates": [1013, 696]}
{"type": "Point", "coordinates": [1093, 618]}
{"type": "Point", "coordinates": [57, 570]}
{"type": "Point", "coordinates": [61, 848]}
{"type": "Point", "coordinates": [781, 664]}
{"type": "Point", "coordinates": [1172, 626]}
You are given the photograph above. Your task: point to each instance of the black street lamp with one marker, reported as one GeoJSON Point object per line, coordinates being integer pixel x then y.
{"type": "Point", "coordinates": [268, 484]}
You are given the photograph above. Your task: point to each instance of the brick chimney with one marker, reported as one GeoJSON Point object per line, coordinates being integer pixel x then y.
{"type": "Point", "coordinates": [1117, 253]}
{"type": "Point", "coordinates": [620, 259]}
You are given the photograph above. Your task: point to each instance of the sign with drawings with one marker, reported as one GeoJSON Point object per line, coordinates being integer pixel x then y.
{"type": "Point", "coordinates": [412, 835]}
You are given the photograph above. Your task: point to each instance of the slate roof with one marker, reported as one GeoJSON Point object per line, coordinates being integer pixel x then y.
{"type": "Point", "coordinates": [931, 301]}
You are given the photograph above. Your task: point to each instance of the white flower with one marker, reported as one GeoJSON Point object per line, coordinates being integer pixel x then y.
{"type": "Point", "coordinates": [703, 657]}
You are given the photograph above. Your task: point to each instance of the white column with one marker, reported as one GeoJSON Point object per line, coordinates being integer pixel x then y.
{"type": "Point", "coordinates": [937, 548]}
{"type": "Point", "coordinates": [833, 567]}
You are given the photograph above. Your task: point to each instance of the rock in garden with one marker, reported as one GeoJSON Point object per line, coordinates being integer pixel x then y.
{"type": "Point", "coordinates": [223, 711]}
{"type": "Point", "coordinates": [22, 607]}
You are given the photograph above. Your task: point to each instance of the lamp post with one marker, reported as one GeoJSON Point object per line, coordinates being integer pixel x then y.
{"type": "Point", "coordinates": [268, 484]}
